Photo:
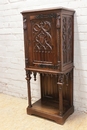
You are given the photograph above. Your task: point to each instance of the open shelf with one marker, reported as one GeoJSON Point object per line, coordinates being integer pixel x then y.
{"type": "Point", "coordinates": [50, 110]}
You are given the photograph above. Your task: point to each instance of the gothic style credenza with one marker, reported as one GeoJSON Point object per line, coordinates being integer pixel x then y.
{"type": "Point", "coordinates": [48, 41]}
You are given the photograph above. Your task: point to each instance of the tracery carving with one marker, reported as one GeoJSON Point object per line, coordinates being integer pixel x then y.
{"type": "Point", "coordinates": [64, 40]}
{"type": "Point", "coordinates": [42, 40]}
{"type": "Point", "coordinates": [42, 36]}
{"type": "Point", "coordinates": [58, 25]}
{"type": "Point", "coordinates": [69, 41]}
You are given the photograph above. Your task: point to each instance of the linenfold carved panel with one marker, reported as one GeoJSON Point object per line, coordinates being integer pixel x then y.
{"type": "Point", "coordinates": [42, 40]}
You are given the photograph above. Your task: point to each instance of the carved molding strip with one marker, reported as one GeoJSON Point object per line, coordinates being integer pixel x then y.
{"type": "Point", "coordinates": [51, 15]}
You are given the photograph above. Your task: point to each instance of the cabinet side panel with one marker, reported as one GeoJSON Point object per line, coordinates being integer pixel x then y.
{"type": "Point", "coordinates": [67, 40]}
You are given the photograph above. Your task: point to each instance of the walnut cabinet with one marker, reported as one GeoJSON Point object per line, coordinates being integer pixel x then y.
{"type": "Point", "coordinates": [48, 43]}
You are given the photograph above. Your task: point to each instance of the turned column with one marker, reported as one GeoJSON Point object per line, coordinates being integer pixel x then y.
{"type": "Point", "coordinates": [28, 78]}
{"type": "Point", "coordinates": [60, 85]}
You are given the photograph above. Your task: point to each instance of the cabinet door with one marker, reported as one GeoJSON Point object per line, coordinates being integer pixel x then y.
{"type": "Point", "coordinates": [42, 36]}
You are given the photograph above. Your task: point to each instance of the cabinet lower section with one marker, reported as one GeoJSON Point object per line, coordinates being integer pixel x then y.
{"type": "Point", "coordinates": [50, 110]}
{"type": "Point", "coordinates": [56, 101]}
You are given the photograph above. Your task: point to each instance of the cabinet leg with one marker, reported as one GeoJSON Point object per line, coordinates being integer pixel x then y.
{"type": "Point", "coordinates": [60, 85]}
{"type": "Point", "coordinates": [28, 78]}
{"type": "Point", "coordinates": [29, 93]}
{"type": "Point", "coordinates": [60, 101]}
{"type": "Point", "coordinates": [71, 90]}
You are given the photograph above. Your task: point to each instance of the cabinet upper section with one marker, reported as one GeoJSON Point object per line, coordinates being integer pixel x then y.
{"type": "Point", "coordinates": [48, 37]}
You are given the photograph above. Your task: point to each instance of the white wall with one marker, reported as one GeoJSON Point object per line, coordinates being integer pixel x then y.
{"type": "Point", "coordinates": [12, 74]}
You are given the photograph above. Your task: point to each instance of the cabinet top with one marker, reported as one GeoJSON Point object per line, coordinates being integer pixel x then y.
{"type": "Point", "coordinates": [48, 9]}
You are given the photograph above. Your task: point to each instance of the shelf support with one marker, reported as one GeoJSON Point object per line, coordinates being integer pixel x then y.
{"type": "Point", "coordinates": [60, 85]}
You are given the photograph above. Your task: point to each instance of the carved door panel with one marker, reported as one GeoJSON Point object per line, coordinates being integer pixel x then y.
{"type": "Point", "coordinates": [43, 40]}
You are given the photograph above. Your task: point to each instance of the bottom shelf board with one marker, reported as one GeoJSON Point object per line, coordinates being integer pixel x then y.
{"type": "Point", "coordinates": [49, 110]}
{"type": "Point", "coordinates": [46, 106]}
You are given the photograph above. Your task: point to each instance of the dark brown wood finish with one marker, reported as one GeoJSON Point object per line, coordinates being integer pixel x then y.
{"type": "Point", "coordinates": [48, 41]}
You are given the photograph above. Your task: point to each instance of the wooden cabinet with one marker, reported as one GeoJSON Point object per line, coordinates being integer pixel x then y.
{"type": "Point", "coordinates": [48, 41]}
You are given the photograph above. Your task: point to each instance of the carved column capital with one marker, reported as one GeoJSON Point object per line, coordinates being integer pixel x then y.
{"type": "Point", "coordinates": [60, 79]}
{"type": "Point", "coordinates": [28, 75]}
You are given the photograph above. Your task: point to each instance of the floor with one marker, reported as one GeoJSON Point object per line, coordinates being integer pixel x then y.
{"type": "Point", "coordinates": [13, 117]}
